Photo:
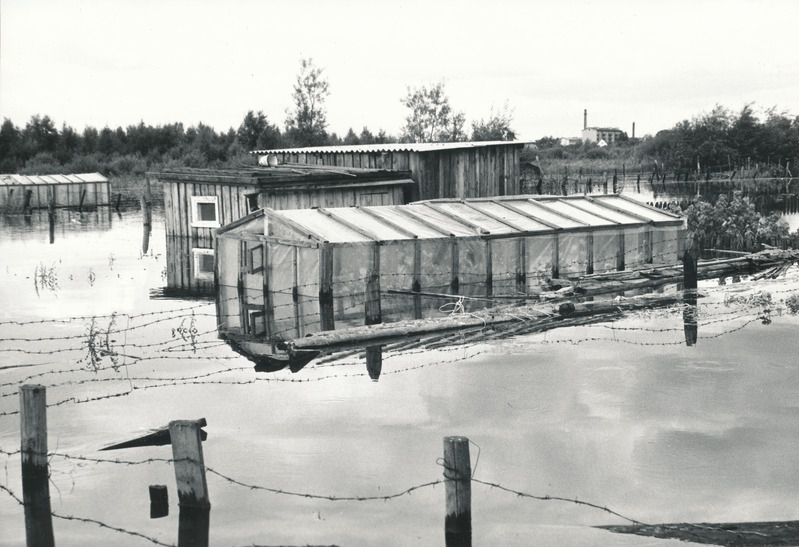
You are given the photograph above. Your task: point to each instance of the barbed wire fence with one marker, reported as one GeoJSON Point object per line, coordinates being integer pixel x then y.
{"type": "Point", "coordinates": [117, 342]}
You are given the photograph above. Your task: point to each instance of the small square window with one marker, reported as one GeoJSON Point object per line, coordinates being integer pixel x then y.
{"type": "Point", "coordinates": [203, 262]}
{"type": "Point", "coordinates": [205, 212]}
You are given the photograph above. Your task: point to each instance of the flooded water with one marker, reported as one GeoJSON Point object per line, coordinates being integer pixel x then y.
{"type": "Point", "coordinates": [622, 415]}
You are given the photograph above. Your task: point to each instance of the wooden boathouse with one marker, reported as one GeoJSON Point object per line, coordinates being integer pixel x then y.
{"type": "Point", "coordinates": [283, 275]}
{"type": "Point", "coordinates": [198, 201]}
{"type": "Point", "coordinates": [440, 170]}
{"type": "Point", "coordinates": [23, 193]}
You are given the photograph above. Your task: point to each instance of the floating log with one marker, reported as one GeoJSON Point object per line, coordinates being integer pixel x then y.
{"type": "Point", "coordinates": [156, 437]}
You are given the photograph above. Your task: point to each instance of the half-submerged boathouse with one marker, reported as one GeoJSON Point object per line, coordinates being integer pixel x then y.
{"type": "Point", "coordinates": [22, 193]}
{"type": "Point", "coordinates": [284, 275]}
{"type": "Point", "coordinates": [439, 169]}
{"type": "Point", "coordinates": [198, 201]}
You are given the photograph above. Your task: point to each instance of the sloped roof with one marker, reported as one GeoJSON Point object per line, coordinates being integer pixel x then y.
{"type": "Point", "coordinates": [388, 147]}
{"type": "Point", "coordinates": [287, 176]}
{"type": "Point", "coordinates": [484, 217]}
{"type": "Point", "coordinates": [28, 180]}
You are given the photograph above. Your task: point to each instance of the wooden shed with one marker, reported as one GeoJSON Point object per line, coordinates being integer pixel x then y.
{"type": "Point", "coordinates": [440, 170]}
{"type": "Point", "coordinates": [21, 193]}
{"type": "Point", "coordinates": [198, 201]}
{"type": "Point", "coordinates": [283, 275]}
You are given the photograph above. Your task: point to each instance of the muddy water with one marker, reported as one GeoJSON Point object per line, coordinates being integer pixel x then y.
{"type": "Point", "coordinates": [623, 415]}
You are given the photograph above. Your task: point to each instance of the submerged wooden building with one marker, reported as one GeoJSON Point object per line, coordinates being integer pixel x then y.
{"type": "Point", "coordinates": [22, 193]}
{"type": "Point", "coordinates": [439, 170]}
{"type": "Point", "coordinates": [198, 201]}
{"type": "Point", "coordinates": [284, 275]}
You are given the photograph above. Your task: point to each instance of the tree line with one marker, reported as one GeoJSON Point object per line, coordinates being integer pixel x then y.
{"type": "Point", "coordinates": [721, 140]}
{"type": "Point", "coordinates": [40, 147]}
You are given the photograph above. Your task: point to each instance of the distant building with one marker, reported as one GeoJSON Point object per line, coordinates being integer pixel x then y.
{"type": "Point", "coordinates": [597, 134]}
{"type": "Point", "coordinates": [570, 141]}
{"type": "Point", "coordinates": [607, 134]}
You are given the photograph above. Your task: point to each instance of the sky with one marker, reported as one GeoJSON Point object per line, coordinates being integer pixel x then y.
{"type": "Point", "coordinates": [117, 63]}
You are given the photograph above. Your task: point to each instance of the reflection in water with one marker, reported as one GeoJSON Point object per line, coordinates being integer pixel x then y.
{"type": "Point", "coordinates": [618, 412]}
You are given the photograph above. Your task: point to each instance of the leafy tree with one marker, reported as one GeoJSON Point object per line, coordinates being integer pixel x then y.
{"type": "Point", "coordinates": [69, 144]}
{"type": "Point", "coordinates": [306, 125]}
{"type": "Point", "coordinates": [10, 142]}
{"type": "Point", "coordinates": [496, 127]}
{"type": "Point", "coordinates": [40, 134]}
{"type": "Point", "coordinates": [255, 132]}
{"type": "Point", "coordinates": [431, 118]}
{"type": "Point", "coordinates": [351, 137]}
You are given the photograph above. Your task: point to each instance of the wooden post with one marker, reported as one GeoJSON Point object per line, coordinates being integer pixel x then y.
{"type": "Point", "coordinates": [159, 501]}
{"type": "Point", "coordinates": [82, 197]}
{"type": "Point", "coordinates": [147, 215]}
{"type": "Point", "coordinates": [521, 268]}
{"type": "Point", "coordinates": [458, 492]}
{"type": "Point", "coordinates": [374, 361]}
{"type": "Point", "coordinates": [615, 182]}
{"type": "Point", "coordinates": [690, 267]}
{"type": "Point", "coordinates": [119, 199]}
{"type": "Point", "coordinates": [589, 253]}
{"type": "Point", "coordinates": [26, 206]}
{"type": "Point", "coordinates": [326, 310]}
{"type": "Point", "coordinates": [620, 258]}
{"type": "Point", "coordinates": [416, 285]}
{"type": "Point", "coordinates": [193, 526]}
{"type": "Point", "coordinates": [556, 257]}
{"type": "Point", "coordinates": [35, 474]}
{"type": "Point", "coordinates": [489, 283]}
{"type": "Point", "coordinates": [187, 453]}
{"type": "Point", "coordinates": [372, 292]}
{"type": "Point", "coordinates": [454, 285]}
{"type": "Point", "coordinates": [51, 212]}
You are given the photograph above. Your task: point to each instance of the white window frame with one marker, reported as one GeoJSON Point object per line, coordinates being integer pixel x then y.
{"type": "Point", "coordinates": [195, 221]}
{"type": "Point", "coordinates": [197, 272]}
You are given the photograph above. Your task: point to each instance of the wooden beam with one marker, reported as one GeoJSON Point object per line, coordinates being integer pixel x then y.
{"type": "Point", "coordinates": [480, 231]}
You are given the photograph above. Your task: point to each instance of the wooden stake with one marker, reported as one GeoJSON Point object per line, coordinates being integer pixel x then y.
{"type": "Point", "coordinates": [35, 475]}
{"type": "Point", "coordinates": [326, 309]}
{"type": "Point", "coordinates": [372, 294]}
{"type": "Point", "coordinates": [187, 453]}
{"type": "Point", "coordinates": [458, 493]}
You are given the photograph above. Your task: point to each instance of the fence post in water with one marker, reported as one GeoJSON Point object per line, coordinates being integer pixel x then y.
{"type": "Point", "coordinates": [35, 475]}
{"type": "Point", "coordinates": [458, 493]}
{"type": "Point", "coordinates": [326, 308]}
{"type": "Point", "coordinates": [187, 453]}
{"type": "Point", "coordinates": [51, 211]}
{"type": "Point", "coordinates": [147, 215]}
{"type": "Point", "coordinates": [372, 296]}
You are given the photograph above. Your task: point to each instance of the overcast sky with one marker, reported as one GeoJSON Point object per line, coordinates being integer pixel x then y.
{"type": "Point", "coordinates": [655, 63]}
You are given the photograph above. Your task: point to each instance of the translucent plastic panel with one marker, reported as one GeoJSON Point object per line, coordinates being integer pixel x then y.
{"type": "Point", "coordinates": [281, 284]}
{"type": "Point", "coordinates": [436, 275]}
{"type": "Point", "coordinates": [472, 270]}
{"type": "Point", "coordinates": [565, 207]}
{"type": "Point", "coordinates": [227, 255]}
{"type": "Point", "coordinates": [229, 319]}
{"type": "Point", "coordinates": [572, 253]}
{"type": "Point", "coordinates": [606, 251]}
{"type": "Point", "coordinates": [475, 217]}
{"type": "Point", "coordinates": [396, 273]}
{"type": "Point", "coordinates": [666, 245]}
{"type": "Point", "coordinates": [351, 266]}
{"type": "Point", "coordinates": [635, 247]}
{"type": "Point", "coordinates": [539, 253]}
{"type": "Point", "coordinates": [308, 290]}
{"type": "Point", "coordinates": [504, 263]}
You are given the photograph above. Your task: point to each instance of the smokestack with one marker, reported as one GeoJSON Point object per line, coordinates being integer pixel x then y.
{"type": "Point", "coordinates": [585, 119]}
{"type": "Point", "coordinates": [633, 129]}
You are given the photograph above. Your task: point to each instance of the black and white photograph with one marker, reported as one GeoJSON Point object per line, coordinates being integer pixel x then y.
{"type": "Point", "coordinates": [437, 273]}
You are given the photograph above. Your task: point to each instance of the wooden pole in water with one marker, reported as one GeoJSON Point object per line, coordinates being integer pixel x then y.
{"type": "Point", "coordinates": [372, 293]}
{"type": "Point", "coordinates": [326, 308]}
{"type": "Point", "coordinates": [147, 215]}
{"type": "Point", "coordinates": [458, 492]}
{"type": "Point", "coordinates": [187, 453]}
{"type": "Point", "coordinates": [51, 212]}
{"type": "Point", "coordinates": [35, 474]}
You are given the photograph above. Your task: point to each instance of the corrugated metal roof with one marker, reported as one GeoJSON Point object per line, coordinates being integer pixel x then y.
{"type": "Point", "coordinates": [387, 147]}
{"type": "Point", "coordinates": [484, 217]}
{"type": "Point", "coordinates": [28, 180]}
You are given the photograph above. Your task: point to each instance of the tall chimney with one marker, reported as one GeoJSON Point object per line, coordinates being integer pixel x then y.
{"type": "Point", "coordinates": [633, 129]}
{"type": "Point", "coordinates": [585, 119]}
